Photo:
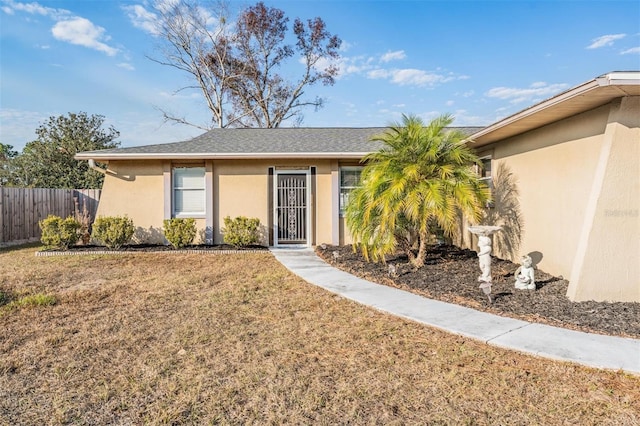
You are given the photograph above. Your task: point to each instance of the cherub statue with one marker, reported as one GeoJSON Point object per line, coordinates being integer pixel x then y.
{"type": "Point", "coordinates": [484, 258]}
{"type": "Point", "coordinates": [525, 279]}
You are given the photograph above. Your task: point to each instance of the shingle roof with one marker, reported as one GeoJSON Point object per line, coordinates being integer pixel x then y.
{"type": "Point", "coordinates": [260, 143]}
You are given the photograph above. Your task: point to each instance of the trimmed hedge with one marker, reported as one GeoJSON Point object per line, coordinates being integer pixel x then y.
{"type": "Point", "coordinates": [59, 233]}
{"type": "Point", "coordinates": [180, 232]}
{"type": "Point", "coordinates": [113, 231]}
{"type": "Point", "coordinates": [241, 231]}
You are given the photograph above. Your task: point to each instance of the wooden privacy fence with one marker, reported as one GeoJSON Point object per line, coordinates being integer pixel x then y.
{"type": "Point", "coordinates": [22, 208]}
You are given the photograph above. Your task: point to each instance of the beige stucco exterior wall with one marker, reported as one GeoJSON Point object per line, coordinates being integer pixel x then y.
{"type": "Point", "coordinates": [135, 189]}
{"type": "Point", "coordinates": [575, 185]}
{"type": "Point", "coordinates": [606, 265]}
{"type": "Point", "coordinates": [239, 188]}
{"type": "Point", "coordinates": [324, 206]}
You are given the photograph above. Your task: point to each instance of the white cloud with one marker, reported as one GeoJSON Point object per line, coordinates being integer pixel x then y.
{"type": "Point", "coordinates": [347, 65]}
{"type": "Point", "coordinates": [345, 46]}
{"type": "Point", "coordinates": [378, 73]}
{"type": "Point", "coordinates": [449, 103]}
{"type": "Point", "coordinates": [68, 27]}
{"type": "Point", "coordinates": [148, 20]}
{"type": "Point", "coordinates": [82, 32]}
{"type": "Point", "coordinates": [143, 19]}
{"type": "Point", "coordinates": [605, 40]}
{"type": "Point", "coordinates": [412, 77]}
{"type": "Point", "coordinates": [535, 91]}
{"type": "Point", "coordinates": [463, 118]}
{"type": "Point", "coordinates": [126, 66]}
{"type": "Point", "coordinates": [393, 56]}
{"type": "Point", "coordinates": [632, 51]}
{"type": "Point", "coordinates": [10, 7]}
{"type": "Point", "coordinates": [369, 67]}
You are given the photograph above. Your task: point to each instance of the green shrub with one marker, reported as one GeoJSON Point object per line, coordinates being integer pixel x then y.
{"type": "Point", "coordinates": [241, 231]}
{"type": "Point", "coordinates": [179, 232]}
{"type": "Point", "coordinates": [58, 232]}
{"type": "Point", "coordinates": [113, 231]}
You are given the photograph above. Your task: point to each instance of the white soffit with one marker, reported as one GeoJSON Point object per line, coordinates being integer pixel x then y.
{"type": "Point", "coordinates": [589, 95]}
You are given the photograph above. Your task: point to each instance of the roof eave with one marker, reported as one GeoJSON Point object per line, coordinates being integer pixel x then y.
{"type": "Point", "coordinates": [525, 119]}
{"type": "Point", "coordinates": [220, 156]}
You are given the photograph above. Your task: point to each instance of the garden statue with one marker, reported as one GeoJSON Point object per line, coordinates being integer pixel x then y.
{"type": "Point", "coordinates": [484, 258]}
{"type": "Point", "coordinates": [525, 279]}
{"type": "Point", "coordinates": [484, 255]}
{"type": "Point", "coordinates": [393, 271]}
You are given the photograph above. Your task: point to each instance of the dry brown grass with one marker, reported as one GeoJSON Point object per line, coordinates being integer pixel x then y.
{"type": "Point", "coordinates": [223, 339]}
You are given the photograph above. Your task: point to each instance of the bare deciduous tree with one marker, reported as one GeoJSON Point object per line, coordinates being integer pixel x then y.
{"type": "Point", "coordinates": [236, 67]}
{"type": "Point", "coordinates": [197, 42]}
{"type": "Point", "coordinates": [263, 95]}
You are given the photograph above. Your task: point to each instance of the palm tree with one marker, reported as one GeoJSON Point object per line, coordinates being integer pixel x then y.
{"type": "Point", "coordinates": [423, 176]}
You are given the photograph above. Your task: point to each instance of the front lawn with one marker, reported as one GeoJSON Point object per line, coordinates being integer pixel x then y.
{"type": "Point", "coordinates": [201, 338]}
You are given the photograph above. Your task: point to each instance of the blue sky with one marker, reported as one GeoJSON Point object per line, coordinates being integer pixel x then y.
{"type": "Point", "coordinates": [478, 60]}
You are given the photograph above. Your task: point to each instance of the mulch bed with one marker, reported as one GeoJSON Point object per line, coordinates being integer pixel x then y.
{"type": "Point", "coordinates": [451, 275]}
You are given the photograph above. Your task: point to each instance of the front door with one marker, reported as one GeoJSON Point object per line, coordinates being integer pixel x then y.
{"type": "Point", "coordinates": [291, 214]}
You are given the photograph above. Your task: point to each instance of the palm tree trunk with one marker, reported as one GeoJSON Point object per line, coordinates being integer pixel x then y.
{"type": "Point", "coordinates": [418, 262]}
{"type": "Point", "coordinates": [405, 246]}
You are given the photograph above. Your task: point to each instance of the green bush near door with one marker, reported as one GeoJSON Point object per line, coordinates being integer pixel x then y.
{"type": "Point", "coordinates": [241, 231]}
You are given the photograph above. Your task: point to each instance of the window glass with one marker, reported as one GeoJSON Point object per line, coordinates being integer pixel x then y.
{"type": "Point", "coordinates": [349, 180]}
{"type": "Point", "coordinates": [188, 191]}
{"type": "Point", "coordinates": [485, 174]}
{"type": "Point", "coordinates": [486, 168]}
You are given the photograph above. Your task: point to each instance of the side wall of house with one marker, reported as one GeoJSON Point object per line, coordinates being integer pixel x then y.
{"type": "Point", "coordinates": [567, 194]}
{"type": "Point", "coordinates": [606, 266]}
{"type": "Point", "coordinates": [135, 189]}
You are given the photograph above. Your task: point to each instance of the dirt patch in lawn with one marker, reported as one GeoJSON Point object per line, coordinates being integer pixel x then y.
{"type": "Point", "coordinates": [164, 338]}
{"type": "Point", "coordinates": [451, 275]}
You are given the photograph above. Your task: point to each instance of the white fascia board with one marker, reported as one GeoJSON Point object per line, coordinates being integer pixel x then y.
{"type": "Point", "coordinates": [223, 156]}
{"type": "Point", "coordinates": [562, 97]}
{"type": "Point", "coordinates": [618, 78]}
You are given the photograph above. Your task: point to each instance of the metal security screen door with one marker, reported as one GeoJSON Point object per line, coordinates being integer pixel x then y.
{"type": "Point", "coordinates": [291, 208]}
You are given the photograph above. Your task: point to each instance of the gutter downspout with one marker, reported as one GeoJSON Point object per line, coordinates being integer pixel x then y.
{"type": "Point", "coordinates": [92, 164]}
{"type": "Point", "coordinates": [107, 172]}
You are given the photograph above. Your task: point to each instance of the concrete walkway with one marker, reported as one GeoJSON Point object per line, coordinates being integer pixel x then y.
{"type": "Point", "coordinates": [593, 350]}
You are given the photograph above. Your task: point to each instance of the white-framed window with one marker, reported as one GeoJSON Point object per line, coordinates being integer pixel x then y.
{"type": "Point", "coordinates": [189, 194]}
{"type": "Point", "coordinates": [349, 180]}
{"type": "Point", "coordinates": [485, 171]}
